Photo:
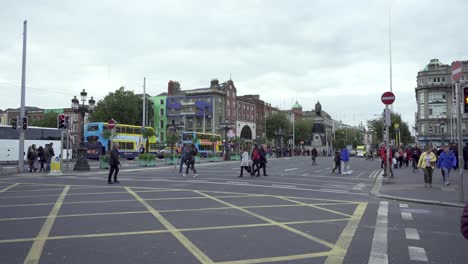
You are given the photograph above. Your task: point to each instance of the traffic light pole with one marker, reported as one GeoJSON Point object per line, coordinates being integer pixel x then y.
{"type": "Point", "coordinates": [460, 102]}
{"type": "Point", "coordinates": [23, 91]}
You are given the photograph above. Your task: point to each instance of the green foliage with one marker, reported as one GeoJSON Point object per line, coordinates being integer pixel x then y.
{"type": "Point", "coordinates": [49, 120]}
{"type": "Point", "coordinates": [347, 136]}
{"type": "Point", "coordinates": [302, 130]}
{"type": "Point", "coordinates": [377, 126]}
{"type": "Point", "coordinates": [105, 158]}
{"type": "Point", "coordinates": [146, 156]}
{"type": "Point", "coordinates": [277, 121]}
{"type": "Point", "coordinates": [147, 133]}
{"type": "Point", "coordinates": [123, 106]}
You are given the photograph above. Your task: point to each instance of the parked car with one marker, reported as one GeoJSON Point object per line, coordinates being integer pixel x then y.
{"type": "Point", "coordinates": [166, 152]}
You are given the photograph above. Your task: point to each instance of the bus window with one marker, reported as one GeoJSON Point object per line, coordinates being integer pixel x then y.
{"type": "Point", "coordinates": [187, 136]}
{"type": "Point", "coordinates": [137, 131]}
{"type": "Point", "coordinates": [93, 127]}
{"type": "Point", "coordinates": [92, 139]}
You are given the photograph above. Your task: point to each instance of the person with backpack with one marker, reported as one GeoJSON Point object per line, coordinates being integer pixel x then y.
{"type": "Point", "coordinates": [32, 158]}
{"type": "Point", "coordinates": [337, 161]}
{"type": "Point", "coordinates": [345, 160]}
{"type": "Point", "coordinates": [191, 154]}
{"type": "Point", "coordinates": [40, 154]}
{"type": "Point", "coordinates": [263, 161]}
{"type": "Point", "coordinates": [415, 157]}
{"type": "Point", "coordinates": [255, 156]}
{"type": "Point", "coordinates": [245, 162]}
{"type": "Point", "coordinates": [183, 158]}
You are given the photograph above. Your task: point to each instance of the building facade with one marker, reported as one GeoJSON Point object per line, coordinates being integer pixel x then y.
{"type": "Point", "coordinates": [160, 116]}
{"type": "Point", "coordinates": [435, 117]}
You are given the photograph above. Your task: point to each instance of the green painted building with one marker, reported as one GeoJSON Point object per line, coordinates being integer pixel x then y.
{"type": "Point", "coordinates": [160, 116]}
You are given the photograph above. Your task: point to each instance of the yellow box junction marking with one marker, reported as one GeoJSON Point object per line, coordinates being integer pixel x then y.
{"type": "Point", "coordinates": [315, 239]}
{"type": "Point", "coordinates": [202, 257]}
{"type": "Point", "coordinates": [342, 245]}
{"type": "Point", "coordinates": [314, 206]}
{"type": "Point", "coordinates": [38, 246]}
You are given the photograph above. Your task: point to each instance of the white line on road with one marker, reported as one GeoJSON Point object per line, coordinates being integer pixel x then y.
{"type": "Point", "coordinates": [407, 216]}
{"type": "Point", "coordinates": [241, 183]}
{"type": "Point", "coordinates": [412, 233]}
{"type": "Point", "coordinates": [378, 253]}
{"type": "Point", "coordinates": [291, 169]}
{"type": "Point", "coordinates": [283, 186]}
{"type": "Point", "coordinates": [334, 190]}
{"type": "Point", "coordinates": [403, 205]}
{"type": "Point", "coordinates": [305, 174]}
{"type": "Point", "coordinates": [317, 171]}
{"type": "Point", "coordinates": [417, 254]}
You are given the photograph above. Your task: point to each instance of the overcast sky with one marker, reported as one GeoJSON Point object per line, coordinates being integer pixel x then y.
{"type": "Point", "coordinates": [336, 52]}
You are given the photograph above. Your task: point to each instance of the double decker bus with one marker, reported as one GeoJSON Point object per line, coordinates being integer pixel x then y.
{"type": "Point", "coordinates": [203, 142]}
{"type": "Point", "coordinates": [129, 137]}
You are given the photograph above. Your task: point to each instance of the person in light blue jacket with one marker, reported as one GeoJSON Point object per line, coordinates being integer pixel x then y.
{"type": "Point", "coordinates": [446, 162]}
{"type": "Point", "coordinates": [345, 160]}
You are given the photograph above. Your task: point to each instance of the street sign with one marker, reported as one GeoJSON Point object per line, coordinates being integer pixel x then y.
{"type": "Point", "coordinates": [456, 71]}
{"type": "Point", "coordinates": [111, 124]}
{"type": "Point", "coordinates": [388, 120]}
{"type": "Point", "coordinates": [388, 98]}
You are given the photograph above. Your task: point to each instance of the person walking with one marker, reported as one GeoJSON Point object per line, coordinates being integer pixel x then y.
{"type": "Point", "coordinates": [407, 156]}
{"type": "Point", "coordinates": [337, 161]}
{"type": "Point", "coordinates": [40, 154]}
{"type": "Point", "coordinates": [255, 161]}
{"type": "Point", "coordinates": [384, 160]}
{"type": "Point", "coordinates": [114, 162]}
{"type": "Point", "coordinates": [446, 162]}
{"type": "Point", "coordinates": [32, 158]}
{"type": "Point", "coordinates": [183, 158]}
{"type": "Point", "coordinates": [191, 154]}
{"type": "Point", "coordinates": [314, 156]}
{"type": "Point", "coordinates": [245, 162]}
{"type": "Point", "coordinates": [48, 154]}
{"type": "Point", "coordinates": [263, 160]}
{"type": "Point", "coordinates": [416, 154]}
{"type": "Point", "coordinates": [427, 162]}
{"type": "Point", "coordinates": [464, 222]}
{"type": "Point", "coordinates": [345, 160]}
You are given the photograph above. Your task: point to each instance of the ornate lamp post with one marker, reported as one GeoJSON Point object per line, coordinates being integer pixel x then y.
{"type": "Point", "coordinates": [173, 134]}
{"type": "Point", "coordinates": [81, 161]}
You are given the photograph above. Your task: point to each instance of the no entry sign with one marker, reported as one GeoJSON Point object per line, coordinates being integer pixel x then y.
{"type": "Point", "coordinates": [388, 98]}
{"type": "Point", "coordinates": [111, 124]}
{"type": "Point", "coordinates": [456, 71]}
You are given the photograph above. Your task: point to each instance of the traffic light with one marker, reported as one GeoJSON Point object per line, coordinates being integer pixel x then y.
{"type": "Point", "coordinates": [61, 121]}
{"type": "Point", "coordinates": [465, 100]}
{"type": "Point", "coordinates": [25, 123]}
{"type": "Point", "coordinates": [67, 122]}
{"type": "Point", "coordinates": [14, 123]}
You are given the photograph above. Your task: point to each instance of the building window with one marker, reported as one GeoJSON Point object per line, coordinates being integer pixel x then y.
{"type": "Point", "coordinates": [75, 117]}
{"type": "Point", "coordinates": [161, 124]}
{"type": "Point", "coordinates": [421, 110]}
{"type": "Point", "coordinates": [227, 102]}
{"type": "Point", "coordinates": [161, 112]}
{"type": "Point", "coordinates": [229, 113]}
{"type": "Point", "coordinates": [161, 136]}
{"type": "Point", "coordinates": [161, 102]}
{"type": "Point", "coordinates": [443, 79]}
{"type": "Point", "coordinates": [436, 96]}
{"type": "Point", "coordinates": [75, 127]}
{"type": "Point", "coordinates": [437, 110]}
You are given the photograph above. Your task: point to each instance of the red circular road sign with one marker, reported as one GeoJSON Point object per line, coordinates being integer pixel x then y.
{"type": "Point", "coordinates": [111, 123]}
{"type": "Point", "coordinates": [456, 71]}
{"type": "Point", "coordinates": [388, 98]}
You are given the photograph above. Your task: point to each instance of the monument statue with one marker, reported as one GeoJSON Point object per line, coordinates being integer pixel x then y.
{"type": "Point", "coordinates": [318, 109]}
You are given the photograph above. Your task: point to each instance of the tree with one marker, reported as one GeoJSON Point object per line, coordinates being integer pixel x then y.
{"type": "Point", "coordinates": [123, 106]}
{"type": "Point", "coordinates": [378, 128]}
{"type": "Point", "coordinates": [302, 130]}
{"type": "Point", "coordinates": [146, 134]}
{"type": "Point", "coordinates": [347, 136]}
{"type": "Point", "coordinates": [49, 120]}
{"type": "Point", "coordinates": [278, 121]}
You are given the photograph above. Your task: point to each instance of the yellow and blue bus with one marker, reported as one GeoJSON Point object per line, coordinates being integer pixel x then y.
{"type": "Point", "coordinates": [129, 137]}
{"type": "Point", "coordinates": [203, 142]}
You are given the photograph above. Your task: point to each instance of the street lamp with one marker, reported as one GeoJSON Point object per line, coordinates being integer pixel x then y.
{"type": "Point", "coordinates": [280, 133]}
{"type": "Point", "coordinates": [82, 162]}
{"type": "Point", "coordinates": [226, 126]}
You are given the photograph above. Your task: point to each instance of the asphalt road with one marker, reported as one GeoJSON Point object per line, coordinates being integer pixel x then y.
{"type": "Point", "coordinates": [298, 214]}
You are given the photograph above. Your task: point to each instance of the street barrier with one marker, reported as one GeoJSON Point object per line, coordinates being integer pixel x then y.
{"type": "Point", "coordinates": [55, 167]}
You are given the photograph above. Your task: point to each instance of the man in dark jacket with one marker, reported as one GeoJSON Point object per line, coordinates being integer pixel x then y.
{"type": "Point", "coordinates": [263, 160]}
{"type": "Point", "coordinates": [314, 156]}
{"type": "Point", "coordinates": [114, 162]}
{"type": "Point", "coordinates": [183, 158]}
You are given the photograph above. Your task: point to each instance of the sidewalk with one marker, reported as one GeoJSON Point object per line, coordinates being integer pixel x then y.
{"type": "Point", "coordinates": [409, 186]}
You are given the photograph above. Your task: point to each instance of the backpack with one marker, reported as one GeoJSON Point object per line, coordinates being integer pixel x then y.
{"type": "Point", "coordinates": [256, 155]}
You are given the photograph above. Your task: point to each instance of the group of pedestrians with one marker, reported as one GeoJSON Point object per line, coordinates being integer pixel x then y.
{"type": "Point", "coordinates": [341, 161]}
{"type": "Point", "coordinates": [188, 157]}
{"type": "Point", "coordinates": [254, 162]}
{"type": "Point", "coordinates": [38, 157]}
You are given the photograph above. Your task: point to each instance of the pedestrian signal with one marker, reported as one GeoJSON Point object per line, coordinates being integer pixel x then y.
{"type": "Point", "coordinates": [61, 121]}
{"type": "Point", "coordinates": [465, 100]}
{"type": "Point", "coordinates": [25, 123]}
